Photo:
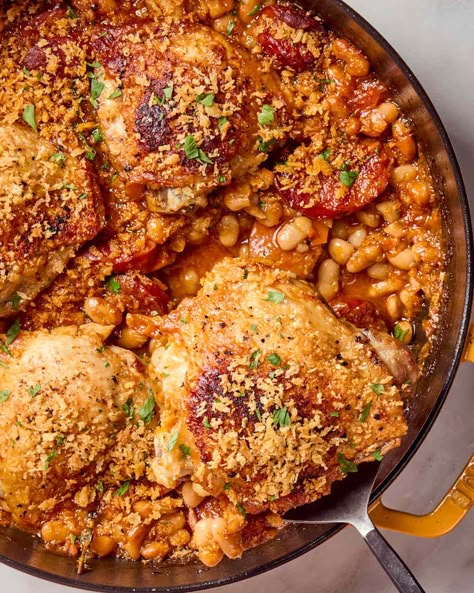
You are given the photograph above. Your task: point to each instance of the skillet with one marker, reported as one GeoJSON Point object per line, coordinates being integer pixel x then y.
{"type": "Point", "coordinates": [26, 553]}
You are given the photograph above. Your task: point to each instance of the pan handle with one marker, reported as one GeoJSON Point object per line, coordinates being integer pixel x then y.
{"type": "Point", "coordinates": [469, 350]}
{"type": "Point", "coordinates": [449, 512]}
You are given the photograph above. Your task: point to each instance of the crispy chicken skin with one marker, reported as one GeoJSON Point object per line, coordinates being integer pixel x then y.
{"type": "Point", "coordinates": [272, 394]}
{"type": "Point", "coordinates": [180, 110]}
{"type": "Point", "coordinates": [62, 420]}
{"type": "Point", "coordinates": [48, 210]}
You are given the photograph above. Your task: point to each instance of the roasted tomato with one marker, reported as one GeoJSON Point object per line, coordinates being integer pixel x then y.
{"type": "Point", "coordinates": [137, 293]}
{"type": "Point", "coordinates": [275, 35]}
{"type": "Point", "coordinates": [362, 314]}
{"type": "Point", "coordinates": [336, 192]}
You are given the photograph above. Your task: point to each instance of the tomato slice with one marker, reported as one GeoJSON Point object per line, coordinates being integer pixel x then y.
{"type": "Point", "coordinates": [334, 198]}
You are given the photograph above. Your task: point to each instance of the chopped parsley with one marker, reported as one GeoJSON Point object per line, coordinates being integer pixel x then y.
{"type": "Point", "coordinates": [185, 451]}
{"type": "Point", "coordinates": [281, 417]}
{"type": "Point", "coordinates": [16, 298]}
{"type": "Point", "coordinates": [221, 179]}
{"type": "Point", "coordinates": [4, 364]}
{"type": "Point", "coordinates": [274, 359]}
{"type": "Point", "coordinates": [173, 440]}
{"type": "Point", "coordinates": [147, 411]}
{"type": "Point", "coordinates": [230, 27]}
{"type": "Point", "coordinates": [221, 122]}
{"type": "Point", "coordinates": [116, 94]}
{"type": "Point", "coordinates": [345, 465]}
{"type": "Point", "coordinates": [4, 395]}
{"type": "Point", "coordinates": [325, 154]}
{"type": "Point", "coordinates": [227, 486]}
{"type": "Point", "coordinates": [128, 408]}
{"type": "Point", "coordinates": [347, 178]}
{"type": "Point", "coordinates": [274, 296]}
{"type": "Point", "coordinates": [193, 152]}
{"type": "Point", "coordinates": [101, 349]}
{"type": "Point", "coordinates": [258, 414]}
{"type": "Point", "coordinates": [97, 135]}
{"type": "Point", "coordinates": [377, 455]}
{"type": "Point", "coordinates": [334, 414]}
{"type": "Point", "coordinates": [264, 146]}
{"type": "Point", "coordinates": [255, 10]}
{"type": "Point", "coordinates": [245, 274]}
{"type": "Point", "coordinates": [254, 328]}
{"type": "Point", "coordinates": [4, 348]}
{"type": "Point", "coordinates": [60, 439]}
{"type": "Point", "coordinates": [29, 116]}
{"type": "Point", "coordinates": [82, 196]}
{"type": "Point", "coordinates": [205, 422]}
{"type": "Point", "coordinates": [253, 360]}
{"type": "Point", "coordinates": [266, 115]}
{"type": "Point", "coordinates": [96, 90]}
{"type": "Point", "coordinates": [241, 510]}
{"type": "Point", "coordinates": [183, 321]}
{"type": "Point", "coordinates": [34, 390]}
{"type": "Point", "coordinates": [73, 538]}
{"type": "Point", "coordinates": [71, 14]}
{"type": "Point", "coordinates": [377, 388]}
{"type": "Point", "coordinates": [365, 412]}
{"type": "Point", "coordinates": [123, 489]}
{"type": "Point", "coordinates": [399, 333]}
{"type": "Point", "coordinates": [50, 457]}
{"type": "Point", "coordinates": [100, 486]}
{"type": "Point", "coordinates": [13, 330]}
{"type": "Point", "coordinates": [113, 285]}
{"type": "Point", "coordinates": [206, 99]}
{"type": "Point", "coordinates": [59, 158]}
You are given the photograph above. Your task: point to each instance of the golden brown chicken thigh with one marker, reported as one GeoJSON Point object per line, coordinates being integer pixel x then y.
{"type": "Point", "coordinates": [65, 399]}
{"type": "Point", "coordinates": [49, 206]}
{"type": "Point", "coordinates": [267, 397]}
{"type": "Point", "coordinates": [183, 110]}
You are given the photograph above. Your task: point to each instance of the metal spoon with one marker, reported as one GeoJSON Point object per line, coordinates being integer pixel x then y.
{"type": "Point", "coordinates": [348, 503]}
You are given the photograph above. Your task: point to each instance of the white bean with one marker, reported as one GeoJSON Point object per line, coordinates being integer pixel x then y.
{"type": "Point", "coordinates": [340, 250]}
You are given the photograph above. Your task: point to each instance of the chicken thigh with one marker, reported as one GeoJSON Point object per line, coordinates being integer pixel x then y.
{"type": "Point", "coordinates": [267, 397]}
{"type": "Point", "coordinates": [65, 400]}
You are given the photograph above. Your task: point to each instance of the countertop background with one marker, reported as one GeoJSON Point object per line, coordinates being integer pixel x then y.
{"type": "Point", "coordinates": [436, 39]}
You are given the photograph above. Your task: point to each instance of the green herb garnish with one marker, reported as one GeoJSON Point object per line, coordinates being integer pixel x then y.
{"type": "Point", "coordinates": [206, 99]}
{"type": "Point", "coordinates": [274, 296]}
{"type": "Point", "coordinates": [345, 465]}
{"type": "Point", "coordinates": [147, 411]}
{"type": "Point", "coordinates": [123, 489]}
{"type": "Point", "coordinates": [173, 440]}
{"type": "Point", "coordinates": [281, 417]}
{"type": "Point", "coordinates": [347, 178]}
{"type": "Point", "coordinates": [365, 412]}
{"type": "Point", "coordinates": [34, 390]}
{"type": "Point", "coordinates": [29, 117]}
{"type": "Point", "coordinates": [253, 360]}
{"type": "Point", "coordinates": [274, 359]}
{"type": "Point", "coordinates": [4, 395]}
{"type": "Point", "coordinates": [377, 388]}
{"type": "Point", "coordinates": [13, 330]}
{"type": "Point", "coordinates": [113, 285]}
{"type": "Point", "coordinates": [266, 115]}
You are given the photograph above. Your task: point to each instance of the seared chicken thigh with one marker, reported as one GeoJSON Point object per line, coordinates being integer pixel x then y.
{"type": "Point", "coordinates": [65, 399]}
{"type": "Point", "coordinates": [266, 396]}
{"type": "Point", "coordinates": [183, 110]}
{"type": "Point", "coordinates": [49, 206]}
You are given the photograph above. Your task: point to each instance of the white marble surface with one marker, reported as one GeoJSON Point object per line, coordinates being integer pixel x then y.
{"type": "Point", "coordinates": [436, 38]}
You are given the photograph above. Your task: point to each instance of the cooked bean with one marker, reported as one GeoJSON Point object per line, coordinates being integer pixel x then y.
{"type": "Point", "coordinates": [293, 233]}
{"type": "Point", "coordinates": [229, 544]}
{"type": "Point", "coordinates": [394, 306]}
{"type": "Point", "coordinates": [103, 545]}
{"type": "Point", "coordinates": [180, 538]}
{"type": "Point", "coordinates": [228, 230]}
{"type": "Point", "coordinates": [199, 490]}
{"type": "Point", "coordinates": [395, 229]}
{"type": "Point", "coordinates": [404, 173]}
{"type": "Point", "coordinates": [403, 135]}
{"type": "Point", "coordinates": [222, 24]}
{"type": "Point", "coordinates": [353, 126]}
{"type": "Point", "coordinates": [134, 542]}
{"type": "Point", "coordinates": [171, 523]}
{"type": "Point", "coordinates": [102, 312]}
{"type": "Point", "coordinates": [208, 549]}
{"type": "Point", "coordinates": [190, 497]}
{"type": "Point", "coordinates": [131, 339]}
{"type": "Point", "coordinates": [363, 258]}
{"type": "Point", "coordinates": [155, 550]}
{"type": "Point", "coordinates": [404, 260]}
{"type": "Point", "coordinates": [385, 287]}
{"type": "Point", "coordinates": [339, 229]}
{"type": "Point", "coordinates": [371, 219]}
{"type": "Point", "coordinates": [378, 271]}
{"type": "Point", "coordinates": [357, 237]}
{"type": "Point", "coordinates": [356, 63]}
{"type": "Point", "coordinates": [55, 531]}
{"type": "Point", "coordinates": [189, 282]}
{"type": "Point", "coordinates": [143, 508]}
{"type": "Point", "coordinates": [158, 229]}
{"type": "Point", "coordinates": [389, 210]}
{"type": "Point", "coordinates": [272, 211]}
{"type": "Point", "coordinates": [340, 251]}
{"type": "Point", "coordinates": [419, 192]}
{"type": "Point", "coordinates": [244, 250]}
{"type": "Point", "coordinates": [389, 111]}
{"type": "Point", "coordinates": [328, 279]}
{"type": "Point", "coordinates": [217, 8]}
